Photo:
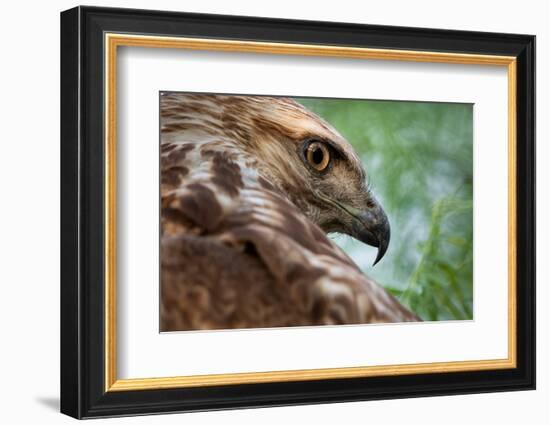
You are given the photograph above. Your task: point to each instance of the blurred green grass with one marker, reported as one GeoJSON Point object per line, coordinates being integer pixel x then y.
{"type": "Point", "coordinates": [419, 159]}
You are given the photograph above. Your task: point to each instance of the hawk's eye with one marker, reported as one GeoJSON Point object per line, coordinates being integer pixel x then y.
{"type": "Point", "coordinates": [318, 155]}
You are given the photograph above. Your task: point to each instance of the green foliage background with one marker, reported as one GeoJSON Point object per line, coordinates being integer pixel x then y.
{"type": "Point", "coordinates": [419, 160]}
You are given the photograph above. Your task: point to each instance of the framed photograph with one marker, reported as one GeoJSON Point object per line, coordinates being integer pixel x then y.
{"type": "Point", "coordinates": [261, 212]}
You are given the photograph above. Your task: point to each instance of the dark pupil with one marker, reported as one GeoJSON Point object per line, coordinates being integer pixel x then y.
{"type": "Point", "coordinates": [317, 156]}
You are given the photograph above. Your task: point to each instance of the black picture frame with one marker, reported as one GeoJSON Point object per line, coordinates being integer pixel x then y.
{"type": "Point", "coordinates": [83, 392]}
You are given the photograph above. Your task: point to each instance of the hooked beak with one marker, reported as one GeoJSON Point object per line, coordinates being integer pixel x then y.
{"type": "Point", "coordinates": [370, 226]}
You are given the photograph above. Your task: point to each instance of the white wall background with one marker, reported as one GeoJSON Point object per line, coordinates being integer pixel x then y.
{"type": "Point", "coordinates": [29, 224]}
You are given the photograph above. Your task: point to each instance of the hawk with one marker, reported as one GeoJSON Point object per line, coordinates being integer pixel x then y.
{"type": "Point", "coordinates": [250, 186]}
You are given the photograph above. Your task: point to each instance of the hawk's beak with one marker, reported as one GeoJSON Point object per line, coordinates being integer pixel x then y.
{"type": "Point", "coordinates": [370, 226]}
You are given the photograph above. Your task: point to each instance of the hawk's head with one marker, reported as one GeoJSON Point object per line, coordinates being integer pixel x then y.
{"type": "Point", "coordinates": [280, 145]}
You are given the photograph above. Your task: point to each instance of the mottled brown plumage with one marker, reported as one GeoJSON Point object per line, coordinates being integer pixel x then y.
{"type": "Point", "coordinates": [244, 211]}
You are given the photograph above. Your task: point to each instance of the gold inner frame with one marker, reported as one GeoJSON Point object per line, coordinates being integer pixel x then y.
{"type": "Point", "coordinates": [113, 41]}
